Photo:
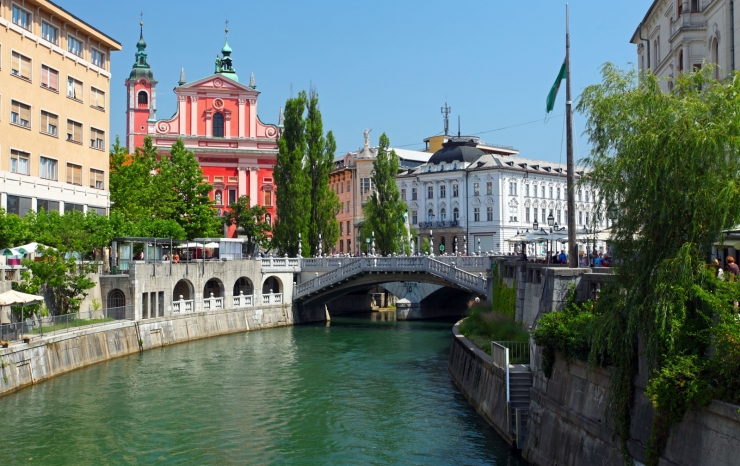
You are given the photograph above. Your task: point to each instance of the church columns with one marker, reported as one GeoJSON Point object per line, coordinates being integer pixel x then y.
{"type": "Point", "coordinates": [253, 171]}
{"type": "Point", "coordinates": [193, 115]}
{"type": "Point", "coordinates": [243, 181]}
{"type": "Point", "coordinates": [209, 123]}
{"type": "Point", "coordinates": [241, 123]}
{"type": "Point", "coordinates": [227, 124]}
{"type": "Point", "coordinates": [181, 117]}
{"type": "Point", "coordinates": [252, 118]}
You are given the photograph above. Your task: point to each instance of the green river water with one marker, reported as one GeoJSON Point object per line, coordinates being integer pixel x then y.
{"type": "Point", "coordinates": [352, 392]}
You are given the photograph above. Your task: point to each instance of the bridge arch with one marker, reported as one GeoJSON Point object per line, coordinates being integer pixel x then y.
{"type": "Point", "coordinates": [183, 288]}
{"type": "Point", "coordinates": [243, 285]}
{"type": "Point", "coordinates": [272, 283]}
{"type": "Point", "coordinates": [215, 286]}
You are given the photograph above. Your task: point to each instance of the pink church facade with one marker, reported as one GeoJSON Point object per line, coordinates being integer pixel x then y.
{"type": "Point", "coordinates": [217, 119]}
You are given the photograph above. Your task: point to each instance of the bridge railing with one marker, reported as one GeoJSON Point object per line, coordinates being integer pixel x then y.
{"type": "Point", "coordinates": [393, 264]}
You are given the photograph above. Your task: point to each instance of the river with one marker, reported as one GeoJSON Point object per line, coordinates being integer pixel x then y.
{"type": "Point", "coordinates": [352, 392]}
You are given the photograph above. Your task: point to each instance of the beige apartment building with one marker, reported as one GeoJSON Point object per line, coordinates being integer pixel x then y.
{"type": "Point", "coordinates": [54, 110]}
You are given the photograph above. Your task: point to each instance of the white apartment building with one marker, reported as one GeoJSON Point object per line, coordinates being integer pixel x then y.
{"type": "Point", "coordinates": [681, 35]}
{"type": "Point", "coordinates": [466, 197]}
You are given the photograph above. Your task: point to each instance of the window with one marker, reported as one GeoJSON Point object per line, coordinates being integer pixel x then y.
{"type": "Point", "coordinates": [97, 58]}
{"type": "Point", "coordinates": [403, 194]}
{"type": "Point", "coordinates": [489, 214]}
{"type": "Point", "coordinates": [580, 195]}
{"type": "Point", "coordinates": [218, 125]}
{"type": "Point", "coordinates": [535, 213]}
{"type": "Point", "coordinates": [49, 78]}
{"type": "Point", "coordinates": [49, 33]}
{"type": "Point", "coordinates": [74, 131]}
{"type": "Point", "coordinates": [543, 192]}
{"type": "Point", "coordinates": [558, 193]}
{"type": "Point", "coordinates": [142, 99]}
{"type": "Point", "coordinates": [97, 139]}
{"type": "Point", "coordinates": [580, 218]}
{"type": "Point", "coordinates": [526, 190]}
{"type": "Point", "coordinates": [455, 214]}
{"type": "Point", "coordinates": [96, 178]}
{"type": "Point", "coordinates": [341, 245]}
{"type": "Point", "coordinates": [430, 215]}
{"type": "Point", "coordinates": [341, 229]}
{"type": "Point", "coordinates": [365, 186]}
{"type": "Point", "coordinates": [19, 205]}
{"type": "Point", "coordinates": [49, 123]}
{"type": "Point", "coordinates": [349, 184]}
{"type": "Point", "coordinates": [544, 218]}
{"type": "Point", "coordinates": [74, 45]}
{"type": "Point", "coordinates": [476, 189]}
{"type": "Point", "coordinates": [47, 206]}
{"type": "Point", "coordinates": [512, 213]}
{"type": "Point", "coordinates": [442, 214]}
{"type": "Point", "coordinates": [679, 7]}
{"type": "Point", "coordinates": [341, 188]}
{"type": "Point", "coordinates": [442, 191]}
{"type": "Point", "coordinates": [20, 66]}
{"type": "Point", "coordinates": [232, 196]}
{"type": "Point", "coordinates": [414, 217]}
{"type": "Point", "coordinates": [476, 214]}
{"type": "Point", "coordinates": [74, 174]}
{"type": "Point", "coordinates": [48, 169]}
{"type": "Point", "coordinates": [347, 206]}
{"type": "Point", "coordinates": [74, 88]}
{"type": "Point", "coordinates": [559, 218]}
{"type": "Point", "coordinates": [489, 188]}
{"type": "Point", "coordinates": [21, 17]}
{"type": "Point", "coordinates": [656, 48]}
{"type": "Point", "coordinates": [587, 196]}
{"type": "Point", "coordinates": [218, 179]}
{"type": "Point", "coordinates": [430, 192]}
{"type": "Point", "coordinates": [20, 162]}
{"type": "Point", "coordinates": [694, 6]}
{"type": "Point", "coordinates": [455, 190]}
{"type": "Point", "coordinates": [97, 98]}
{"type": "Point", "coordinates": [551, 192]}
{"type": "Point", "coordinates": [20, 114]}
{"type": "Point", "coordinates": [267, 199]}
{"type": "Point", "coordinates": [526, 213]}
{"type": "Point", "coordinates": [413, 194]}
{"type": "Point", "coordinates": [69, 207]}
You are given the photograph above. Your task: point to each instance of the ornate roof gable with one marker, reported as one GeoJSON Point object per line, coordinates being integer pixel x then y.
{"type": "Point", "coordinates": [219, 82]}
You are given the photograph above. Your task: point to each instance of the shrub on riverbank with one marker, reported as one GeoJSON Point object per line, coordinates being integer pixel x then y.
{"type": "Point", "coordinates": [484, 325]}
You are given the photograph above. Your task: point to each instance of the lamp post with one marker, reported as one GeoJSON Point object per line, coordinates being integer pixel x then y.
{"type": "Point", "coordinates": [535, 227]}
{"type": "Point", "coordinates": [550, 223]}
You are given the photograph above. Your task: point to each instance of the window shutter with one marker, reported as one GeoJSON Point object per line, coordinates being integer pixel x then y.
{"type": "Point", "coordinates": [26, 67]}
{"type": "Point", "coordinates": [78, 132]}
{"type": "Point", "coordinates": [44, 121]}
{"type": "Point", "coordinates": [54, 80]}
{"type": "Point", "coordinates": [45, 76]}
{"type": "Point", "coordinates": [25, 112]}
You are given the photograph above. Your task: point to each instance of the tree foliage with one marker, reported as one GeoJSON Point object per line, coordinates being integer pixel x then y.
{"type": "Point", "coordinates": [669, 164]}
{"type": "Point", "coordinates": [250, 220]}
{"type": "Point", "coordinates": [163, 197]}
{"type": "Point", "coordinates": [384, 208]}
{"type": "Point", "coordinates": [305, 204]}
{"type": "Point", "coordinates": [291, 183]}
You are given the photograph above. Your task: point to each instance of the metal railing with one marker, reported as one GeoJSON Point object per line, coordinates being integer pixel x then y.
{"type": "Point", "coordinates": [63, 323]}
{"type": "Point", "coordinates": [518, 351]}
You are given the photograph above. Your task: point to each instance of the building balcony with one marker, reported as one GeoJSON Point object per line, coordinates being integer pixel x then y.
{"type": "Point", "coordinates": [443, 224]}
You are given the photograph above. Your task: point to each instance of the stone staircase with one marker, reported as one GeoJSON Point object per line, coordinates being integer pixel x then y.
{"type": "Point", "coordinates": [520, 381]}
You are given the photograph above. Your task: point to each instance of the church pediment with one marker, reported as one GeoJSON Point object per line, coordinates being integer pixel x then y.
{"type": "Point", "coordinates": [218, 82]}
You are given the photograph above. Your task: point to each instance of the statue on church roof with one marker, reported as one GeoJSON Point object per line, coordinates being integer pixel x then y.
{"type": "Point", "coordinates": [367, 137]}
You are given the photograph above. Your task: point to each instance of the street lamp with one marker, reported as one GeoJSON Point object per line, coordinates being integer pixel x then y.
{"type": "Point", "coordinates": [535, 225]}
{"type": "Point", "coordinates": [550, 219]}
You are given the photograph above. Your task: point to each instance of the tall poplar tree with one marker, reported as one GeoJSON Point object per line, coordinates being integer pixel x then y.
{"type": "Point", "coordinates": [323, 201]}
{"type": "Point", "coordinates": [291, 183]}
{"type": "Point", "coordinates": [384, 209]}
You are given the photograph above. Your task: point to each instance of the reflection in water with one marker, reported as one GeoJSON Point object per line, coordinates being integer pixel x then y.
{"type": "Point", "coordinates": [357, 392]}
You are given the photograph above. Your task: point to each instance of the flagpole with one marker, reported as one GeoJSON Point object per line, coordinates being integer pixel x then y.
{"type": "Point", "coordinates": [572, 248]}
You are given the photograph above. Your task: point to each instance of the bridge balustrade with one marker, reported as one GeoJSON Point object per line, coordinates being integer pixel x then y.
{"type": "Point", "coordinates": [213, 303]}
{"type": "Point", "coordinates": [182, 306]}
{"type": "Point", "coordinates": [243, 300]}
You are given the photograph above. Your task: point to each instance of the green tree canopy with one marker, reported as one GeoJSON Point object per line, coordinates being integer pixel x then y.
{"type": "Point", "coordinates": [249, 220]}
{"type": "Point", "coordinates": [384, 208]}
{"type": "Point", "coordinates": [668, 164]}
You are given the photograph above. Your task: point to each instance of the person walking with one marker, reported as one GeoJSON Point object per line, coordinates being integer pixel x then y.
{"type": "Point", "coordinates": [732, 268]}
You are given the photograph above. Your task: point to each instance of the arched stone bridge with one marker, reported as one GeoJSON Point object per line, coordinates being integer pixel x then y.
{"type": "Point", "coordinates": [354, 272]}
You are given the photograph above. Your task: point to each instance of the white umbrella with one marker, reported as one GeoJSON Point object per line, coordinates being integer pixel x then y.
{"type": "Point", "coordinates": [190, 245]}
{"type": "Point", "coordinates": [14, 298]}
{"type": "Point", "coordinates": [212, 245]}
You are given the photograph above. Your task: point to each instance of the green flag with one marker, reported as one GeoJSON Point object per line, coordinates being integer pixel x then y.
{"type": "Point", "coordinates": [562, 74]}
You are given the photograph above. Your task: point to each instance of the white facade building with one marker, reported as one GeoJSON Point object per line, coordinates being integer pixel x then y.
{"type": "Point", "coordinates": [681, 35]}
{"type": "Point", "coordinates": [468, 197]}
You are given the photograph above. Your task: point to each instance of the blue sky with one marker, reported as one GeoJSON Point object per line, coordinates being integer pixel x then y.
{"type": "Point", "coordinates": [385, 65]}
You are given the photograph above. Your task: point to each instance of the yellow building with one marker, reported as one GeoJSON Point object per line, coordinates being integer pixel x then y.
{"type": "Point", "coordinates": [54, 110]}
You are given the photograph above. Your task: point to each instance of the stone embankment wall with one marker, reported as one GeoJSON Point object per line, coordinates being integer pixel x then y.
{"type": "Point", "coordinates": [483, 384]}
{"type": "Point", "coordinates": [568, 425]}
{"type": "Point", "coordinates": [45, 357]}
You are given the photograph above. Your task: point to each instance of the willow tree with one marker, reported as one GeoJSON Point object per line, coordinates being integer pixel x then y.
{"type": "Point", "coordinates": [666, 165]}
{"type": "Point", "coordinates": [384, 208]}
